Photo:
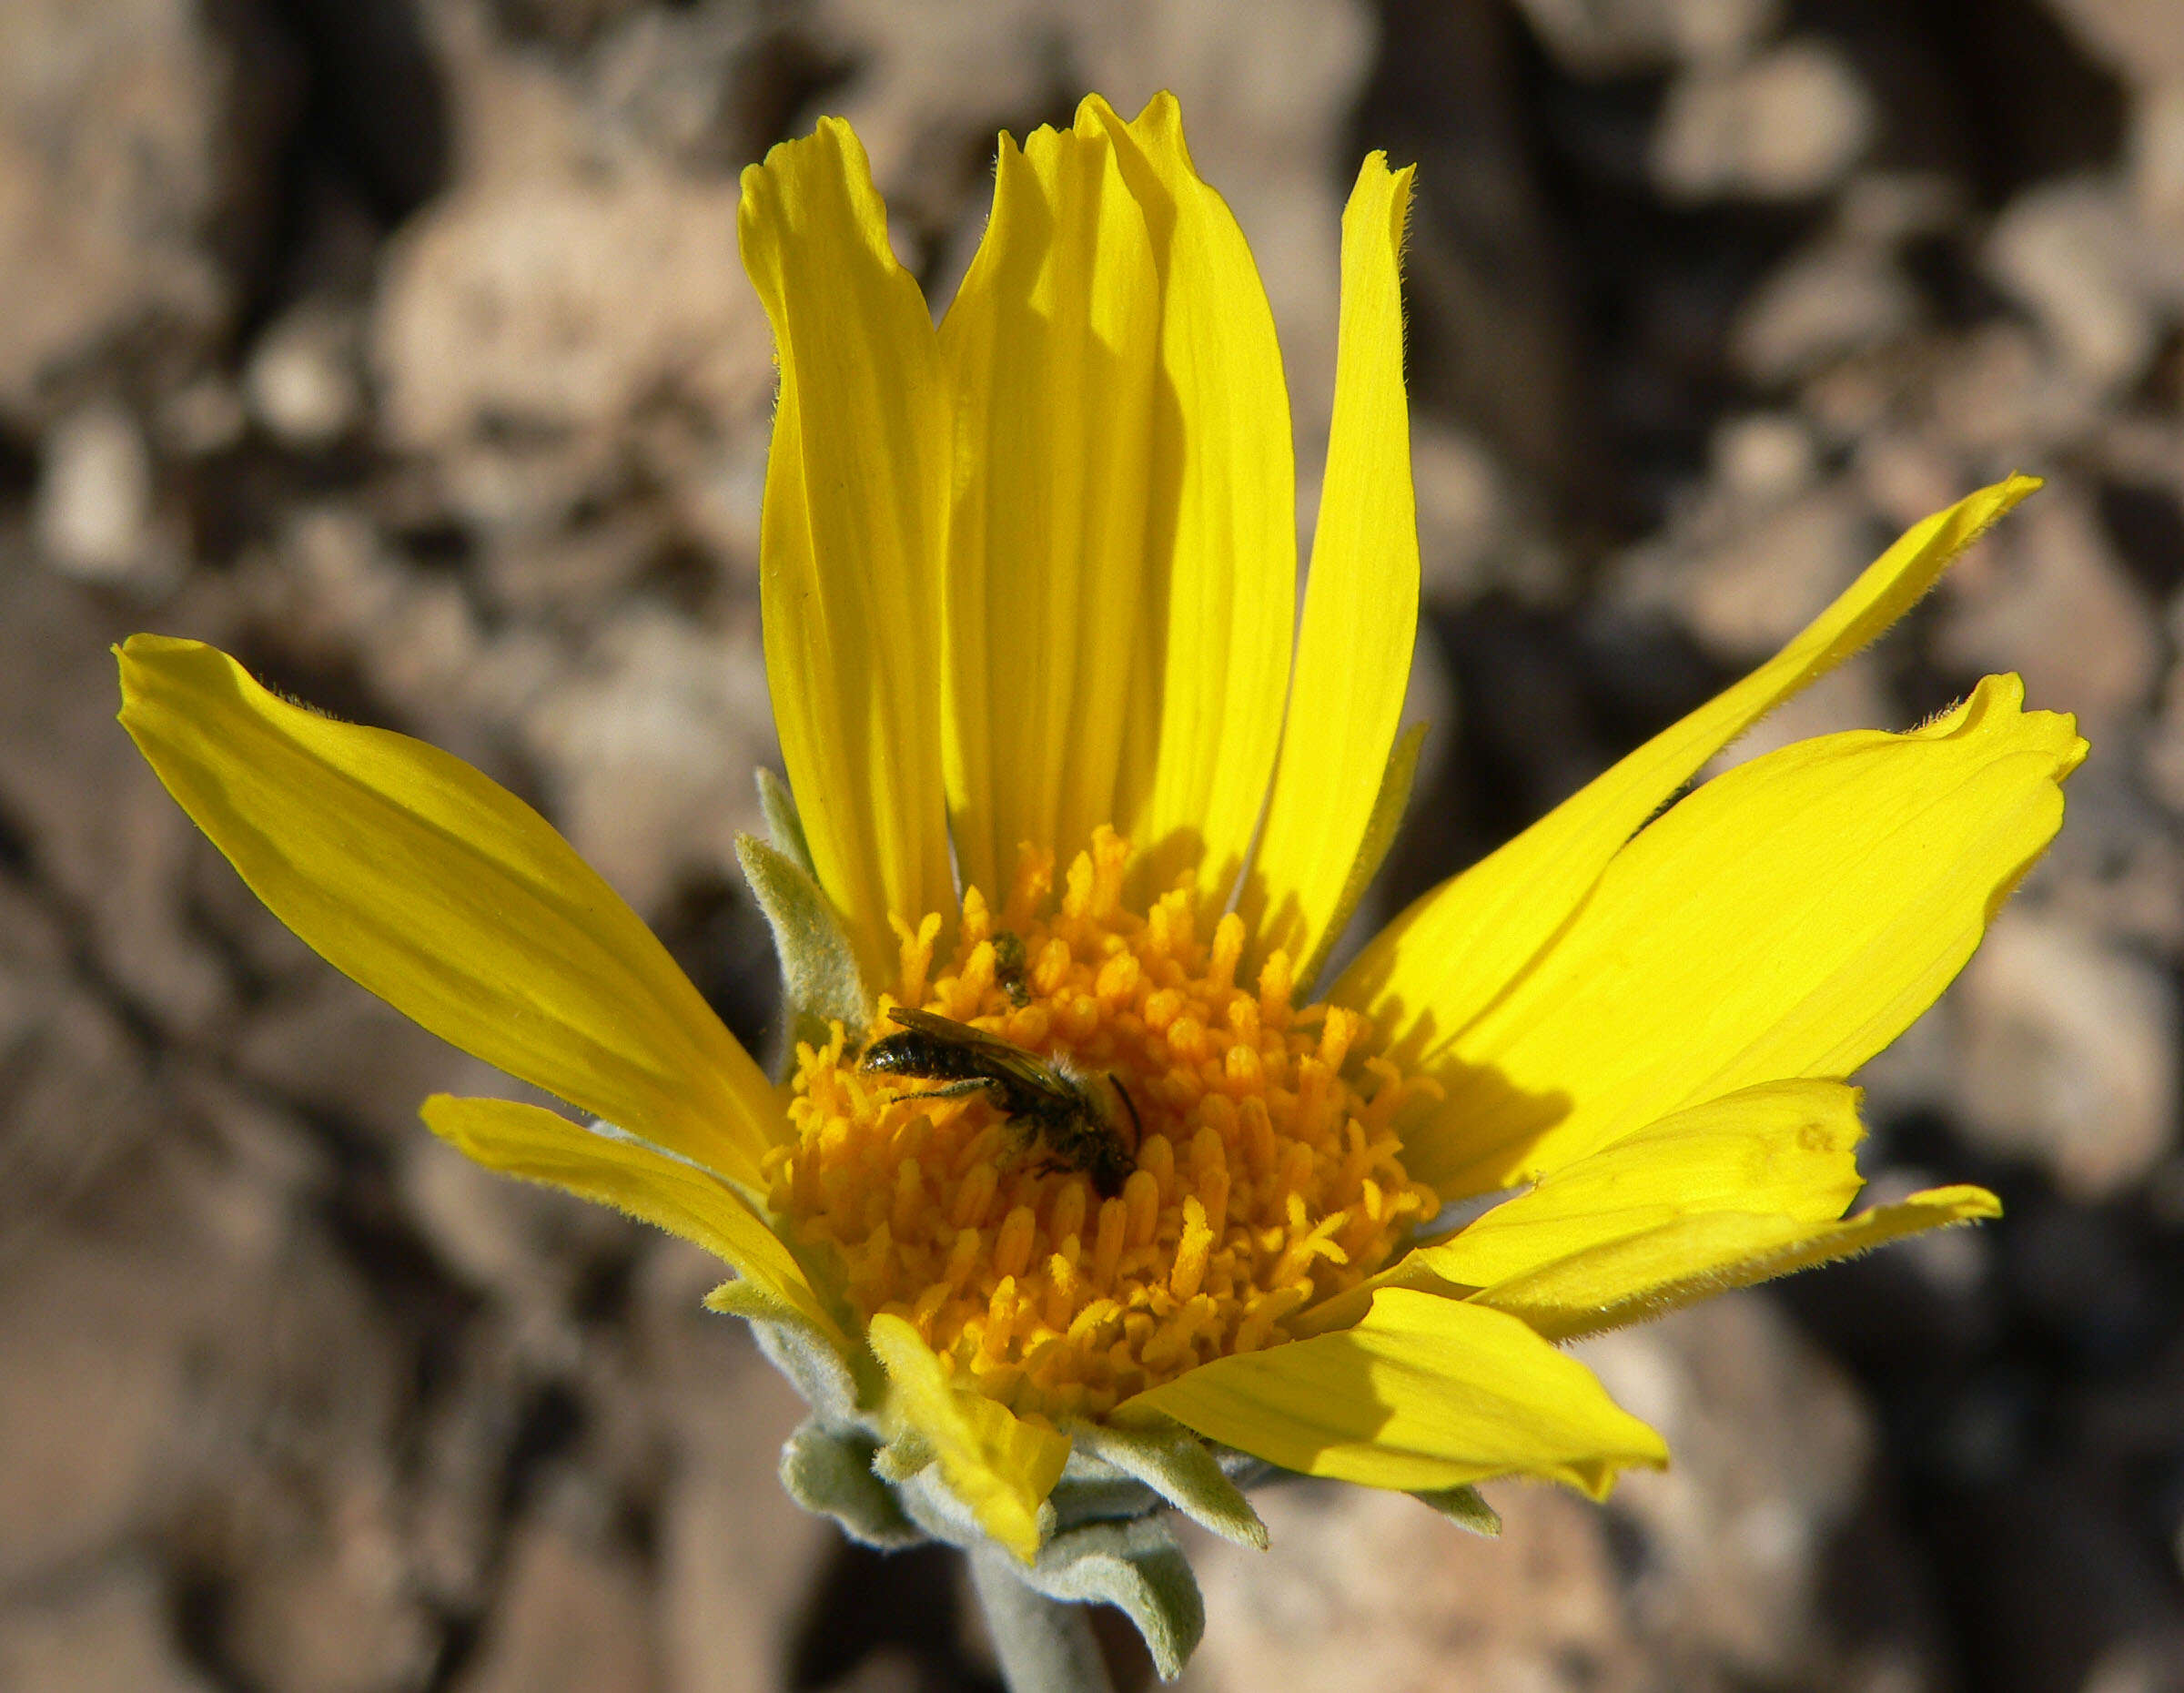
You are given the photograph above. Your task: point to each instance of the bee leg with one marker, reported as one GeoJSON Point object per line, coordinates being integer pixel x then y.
{"type": "Point", "coordinates": [996, 1095]}
{"type": "Point", "coordinates": [1136, 1122]}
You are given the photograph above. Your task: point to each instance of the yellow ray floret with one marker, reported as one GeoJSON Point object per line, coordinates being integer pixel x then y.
{"type": "Point", "coordinates": [1789, 919]}
{"type": "Point", "coordinates": [450, 899]}
{"type": "Point", "coordinates": [1361, 605]}
{"type": "Point", "coordinates": [1449, 956]}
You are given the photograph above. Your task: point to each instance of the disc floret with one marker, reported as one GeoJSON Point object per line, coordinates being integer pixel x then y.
{"type": "Point", "coordinates": [1268, 1174]}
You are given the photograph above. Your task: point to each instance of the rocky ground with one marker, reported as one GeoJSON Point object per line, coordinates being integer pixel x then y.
{"type": "Point", "coordinates": [401, 346]}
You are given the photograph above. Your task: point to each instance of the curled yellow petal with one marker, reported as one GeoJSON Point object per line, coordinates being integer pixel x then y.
{"type": "Point", "coordinates": [538, 1145]}
{"type": "Point", "coordinates": [1422, 1392]}
{"type": "Point", "coordinates": [1447, 958]}
{"type": "Point", "coordinates": [995, 1462]}
{"type": "Point", "coordinates": [1222, 538]}
{"type": "Point", "coordinates": [1783, 1148]}
{"type": "Point", "coordinates": [1361, 604]}
{"type": "Point", "coordinates": [450, 898]}
{"type": "Point", "coordinates": [852, 535]}
{"type": "Point", "coordinates": [1642, 1275]}
{"type": "Point", "coordinates": [1790, 918]}
{"type": "Point", "coordinates": [1050, 348]}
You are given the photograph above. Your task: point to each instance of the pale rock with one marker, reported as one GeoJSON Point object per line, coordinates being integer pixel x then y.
{"type": "Point", "coordinates": [1746, 580]}
{"type": "Point", "coordinates": [95, 498]}
{"type": "Point", "coordinates": [2045, 596]}
{"type": "Point", "coordinates": [111, 144]}
{"type": "Point", "coordinates": [1463, 517]}
{"type": "Point", "coordinates": [1771, 1448]}
{"type": "Point", "coordinates": [95, 1387]}
{"type": "Point", "coordinates": [648, 744]}
{"type": "Point", "coordinates": [2143, 39]}
{"type": "Point", "coordinates": [1602, 38]}
{"type": "Point", "coordinates": [324, 1043]}
{"type": "Point", "coordinates": [524, 320]}
{"type": "Point", "coordinates": [2006, 396]}
{"type": "Point", "coordinates": [1957, 1264]}
{"type": "Point", "coordinates": [109, 1633]}
{"type": "Point", "coordinates": [1764, 458]}
{"type": "Point", "coordinates": [572, 1618]}
{"type": "Point", "coordinates": [1906, 476]}
{"type": "Point", "coordinates": [2074, 255]}
{"type": "Point", "coordinates": [1914, 1072]}
{"type": "Point", "coordinates": [2157, 154]}
{"type": "Point", "coordinates": [1840, 295]}
{"type": "Point", "coordinates": [1369, 1590]}
{"type": "Point", "coordinates": [678, 80]}
{"type": "Point", "coordinates": [333, 1608]}
{"type": "Point", "coordinates": [2068, 1054]}
{"type": "Point", "coordinates": [1885, 207]}
{"type": "Point", "coordinates": [2164, 757]}
{"type": "Point", "coordinates": [2119, 868]}
{"type": "Point", "coordinates": [1787, 125]}
{"type": "Point", "coordinates": [934, 75]}
{"type": "Point", "coordinates": [339, 595]}
{"type": "Point", "coordinates": [302, 383]}
{"type": "Point", "coordinates": [562, 303]}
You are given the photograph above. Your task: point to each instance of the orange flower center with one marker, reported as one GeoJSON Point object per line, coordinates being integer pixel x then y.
{"type": "Point", "coordinates": [1268, 1175]}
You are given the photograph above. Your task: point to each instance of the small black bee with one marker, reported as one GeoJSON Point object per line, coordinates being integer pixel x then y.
{"type": "Point", "coordinates": [1010, 965]}
{"type": "Point", "coordinates": [1051, 1103]}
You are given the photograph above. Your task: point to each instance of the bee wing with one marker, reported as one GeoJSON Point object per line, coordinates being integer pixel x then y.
{"type": "Point", "coordinates": [1004, 1057]}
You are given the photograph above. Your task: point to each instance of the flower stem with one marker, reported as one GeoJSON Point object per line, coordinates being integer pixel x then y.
{"type": "Point", "coordinates": [1044, 1645]}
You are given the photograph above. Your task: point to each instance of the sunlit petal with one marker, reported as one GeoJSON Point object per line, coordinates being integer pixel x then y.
{"type": "Point", "coordinates": [1423, 1393]}
{"type": "Point", "coordinates": [1790, 918]}
{"type": "Point", "coordinates": [450, 899]}
{"type": "Point", "coordinates": [1361, 605]}
{"type": "Point", "coordinates": [1050, 350]}
{"type": "Point", "coordinates": [852, 534]}
{"type": "Point", "coordinates": [1449, 956]}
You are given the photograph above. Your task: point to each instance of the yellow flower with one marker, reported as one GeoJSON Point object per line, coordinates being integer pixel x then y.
{"type": "Point", "coordinates": [1029, 586]}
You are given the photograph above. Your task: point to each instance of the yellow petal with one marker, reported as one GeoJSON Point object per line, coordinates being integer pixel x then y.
{"type": "Point", "coordinates": [1000, 1465]}
{"type": "Point", "coordinates": [852, 536]}
{"type": "Point", "coordinates": [1361, 604]}
{"type": "Point", "coordinates": [1789, 919]}
{"type": "Point", "coordinates": [1782, 1149]}
{"type": "Point", "coordinates": [450, 899]}
{"type": "Point", "coordinates": [1446, 959]}
{"type": "Point", "coordinates": [1050, 349]}
{"type": "Point", "coordinates": [1221, 542]}
{"type": "Point", "coordinates": [1423, 1393]}
{"type": "Point", "coordinates": [1693, 1258]}
{"type": "Point", "coordinates": [538, 1145]}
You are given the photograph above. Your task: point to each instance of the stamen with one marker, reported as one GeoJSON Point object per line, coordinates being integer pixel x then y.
{"type": "Point", "coordinates": [1263, 1157]}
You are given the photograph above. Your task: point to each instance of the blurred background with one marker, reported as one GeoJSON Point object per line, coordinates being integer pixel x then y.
{"type": "Point", "coordinates": [401, 346]}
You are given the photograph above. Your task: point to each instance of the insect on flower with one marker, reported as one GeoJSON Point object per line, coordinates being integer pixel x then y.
{"type": "Point", "coordinates": [1054, 1104]}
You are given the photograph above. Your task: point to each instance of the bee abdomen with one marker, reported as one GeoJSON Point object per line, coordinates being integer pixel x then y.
{"type": "Point", "coordinates": [910, 1053]}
